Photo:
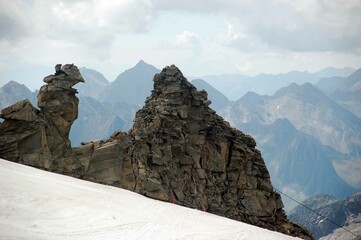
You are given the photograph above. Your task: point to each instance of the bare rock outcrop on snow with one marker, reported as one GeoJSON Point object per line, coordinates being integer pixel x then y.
{"type": "Point", "coordinates": [178, 150]}
{"type": "Point", "coordinates": [40, 138]}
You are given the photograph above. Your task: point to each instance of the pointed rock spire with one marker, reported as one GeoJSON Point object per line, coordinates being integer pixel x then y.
{"type": "Point", "coordinates": [179, 150]}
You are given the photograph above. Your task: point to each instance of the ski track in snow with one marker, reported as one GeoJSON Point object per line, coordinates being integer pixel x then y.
{"type": "Point", "coordinates": [36, 204]}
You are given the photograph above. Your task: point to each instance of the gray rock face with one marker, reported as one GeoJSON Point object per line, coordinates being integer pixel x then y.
{"type": "Point", "coordinates": [40, 138]}
{"type": "Point", "coordinates": [179, 150]}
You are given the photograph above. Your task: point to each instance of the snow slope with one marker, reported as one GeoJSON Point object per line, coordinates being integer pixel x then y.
{"type": "Point", "coordinates": [36, 204]}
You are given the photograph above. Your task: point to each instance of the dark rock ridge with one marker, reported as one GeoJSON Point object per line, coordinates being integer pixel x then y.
{"type": "Point", "coordinates": [40, 138]}
{"type": "Point", "coordinates": [178, 150]}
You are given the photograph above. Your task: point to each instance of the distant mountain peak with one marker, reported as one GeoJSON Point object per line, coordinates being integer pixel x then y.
{"type": "Point", "coordinates": [290, 88]}
{"type": "Point", "coordinates": [141, 63]}
{"type": "Point", "coordinates": [13, 83]}
{"type": "Point", "coordinates": [13, 87]}
{"type": "Point", "coordinates": [250, 96]}
{"type": "Point", "coordinates": [218, 99]}
{"type": "Point", "coordinates": [305, 88]}
{"type": "Point", "coordinates": [132, 86]}
{"type": "Point", "coordinates": [356, 75]}
{"type": "Point", "coordinates": [141, 66]}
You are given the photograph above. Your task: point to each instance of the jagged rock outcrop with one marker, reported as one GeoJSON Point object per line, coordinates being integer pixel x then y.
{"type": "Point", "coordinates": [40, 138]}
{"type": "Point", "coordinates": [179, 150]}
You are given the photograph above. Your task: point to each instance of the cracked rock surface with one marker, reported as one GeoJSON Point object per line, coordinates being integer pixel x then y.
{"type": "Point", "coordinates": [178, 150]}
{"type": "Point", "coordinates": [40, 138]}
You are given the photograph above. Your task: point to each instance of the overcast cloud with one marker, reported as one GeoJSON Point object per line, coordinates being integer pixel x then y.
{"type": "Point", "coordinates": [218, 35]}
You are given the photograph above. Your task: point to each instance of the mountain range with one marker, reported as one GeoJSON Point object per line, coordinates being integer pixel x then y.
{"type": "Point", "coordinates": [310, 138]}
{"type": "Point", "coordinates": [336, 219]}
{"type": "Point", "coordinates": [12, 92]}
{"type": "Point", "coordinates": [131, 86]}
{"type": "Point", "coordinates": [234, 86]}
{"type": "Point", "coordinates": [299, 165]}
{"type": "Point", "coordinates": [309, 110]}
{"type": "Point", "coordinates": [345, 90]}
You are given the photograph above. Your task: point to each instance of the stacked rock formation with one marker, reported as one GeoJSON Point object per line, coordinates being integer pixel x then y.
{"type": "Point", "coordinates": [40, 138]}
{"type": "Point", "coordinates": [179, 150]}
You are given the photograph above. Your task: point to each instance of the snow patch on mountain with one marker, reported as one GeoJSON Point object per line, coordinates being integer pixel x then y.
{"type": "Point", "coordinates": [36, 204]}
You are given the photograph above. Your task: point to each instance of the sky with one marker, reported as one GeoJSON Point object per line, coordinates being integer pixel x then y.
{"type": "Point", "coordinates": [201, 37]}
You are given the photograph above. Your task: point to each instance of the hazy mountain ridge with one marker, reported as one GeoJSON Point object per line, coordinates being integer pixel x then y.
{"type": "Point", "coordinates": [298, 130]}
{"type": "Point", "coordinates": [95, 83]}
{"type": "Point", "coordinates": [32, 75]}
{"type": "Point", "coordinates": [234, 86]}
{"type": "Point", "coordinates": [98, 120]}
{"type": "Point", "coordinates": [13, 92]}
{"type": "Point", "coordinates": [299, 165]}
{"type": "Point", "coordinates": [349, 100]}
{"type": "Point", "coordinates": [133, 85]}
{"type": "Point", "coordinates": [219, 101]}
{"type": "Point", "coordinates": [345, 90]}
{"type": "Point", "coordinates": [349, 83]}
{"type": "Point", "coordinates": [308, 109]}
{"type": "Point", "coordinates": [344, 212]}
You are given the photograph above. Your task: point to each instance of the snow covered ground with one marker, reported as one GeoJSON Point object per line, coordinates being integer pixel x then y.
{"type": "Point", "coordinates": [36, 204]}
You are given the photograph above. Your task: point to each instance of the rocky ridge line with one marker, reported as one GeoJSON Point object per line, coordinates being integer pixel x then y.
{"type": "Point", "coordinates": [178, 150]}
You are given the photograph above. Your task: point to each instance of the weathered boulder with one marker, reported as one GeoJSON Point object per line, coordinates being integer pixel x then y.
{"type": "Point", "coordinates": [179, 150]}
{"type": "Point", "coordinates": [40, 138]}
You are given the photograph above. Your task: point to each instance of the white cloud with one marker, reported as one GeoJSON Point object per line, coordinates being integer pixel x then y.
{"type": "Point", "coordinates": [187, 40]}
{"type": "Point", "coordinates": [185, 45]}
{"type": "Point", "coordinates": [70, 30]}
{"type": "Point", "coordinates": [72, 19]}
{"type": "Point", "coordinates": [125, 15]}
{"type": "Point", "coordinates": [206, 37]}
{"type": "Point", "coordinates": [237, 38]}
{"type": "Point", "coordinates": [190, 5]}
{"type": "Point", "coordinates": [246, 67]}
{"type": "Point", "coordinates": [301, 25]}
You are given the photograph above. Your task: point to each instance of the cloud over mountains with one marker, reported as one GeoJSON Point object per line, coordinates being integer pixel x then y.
{"type": "Point", "coordinates": [219, 35]}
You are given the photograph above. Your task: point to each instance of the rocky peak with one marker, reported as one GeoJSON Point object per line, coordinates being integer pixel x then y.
{"type": "Point", "coordinates": [179, 150]}
{"type": "Point", "coordinates": [197, 156]}
{"type": "Point", "coordinates": [65, 77]}
{"type": "Point", "coordinates": [57, 99]}
{"type": "Point", "coordinates": [40, 137]}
